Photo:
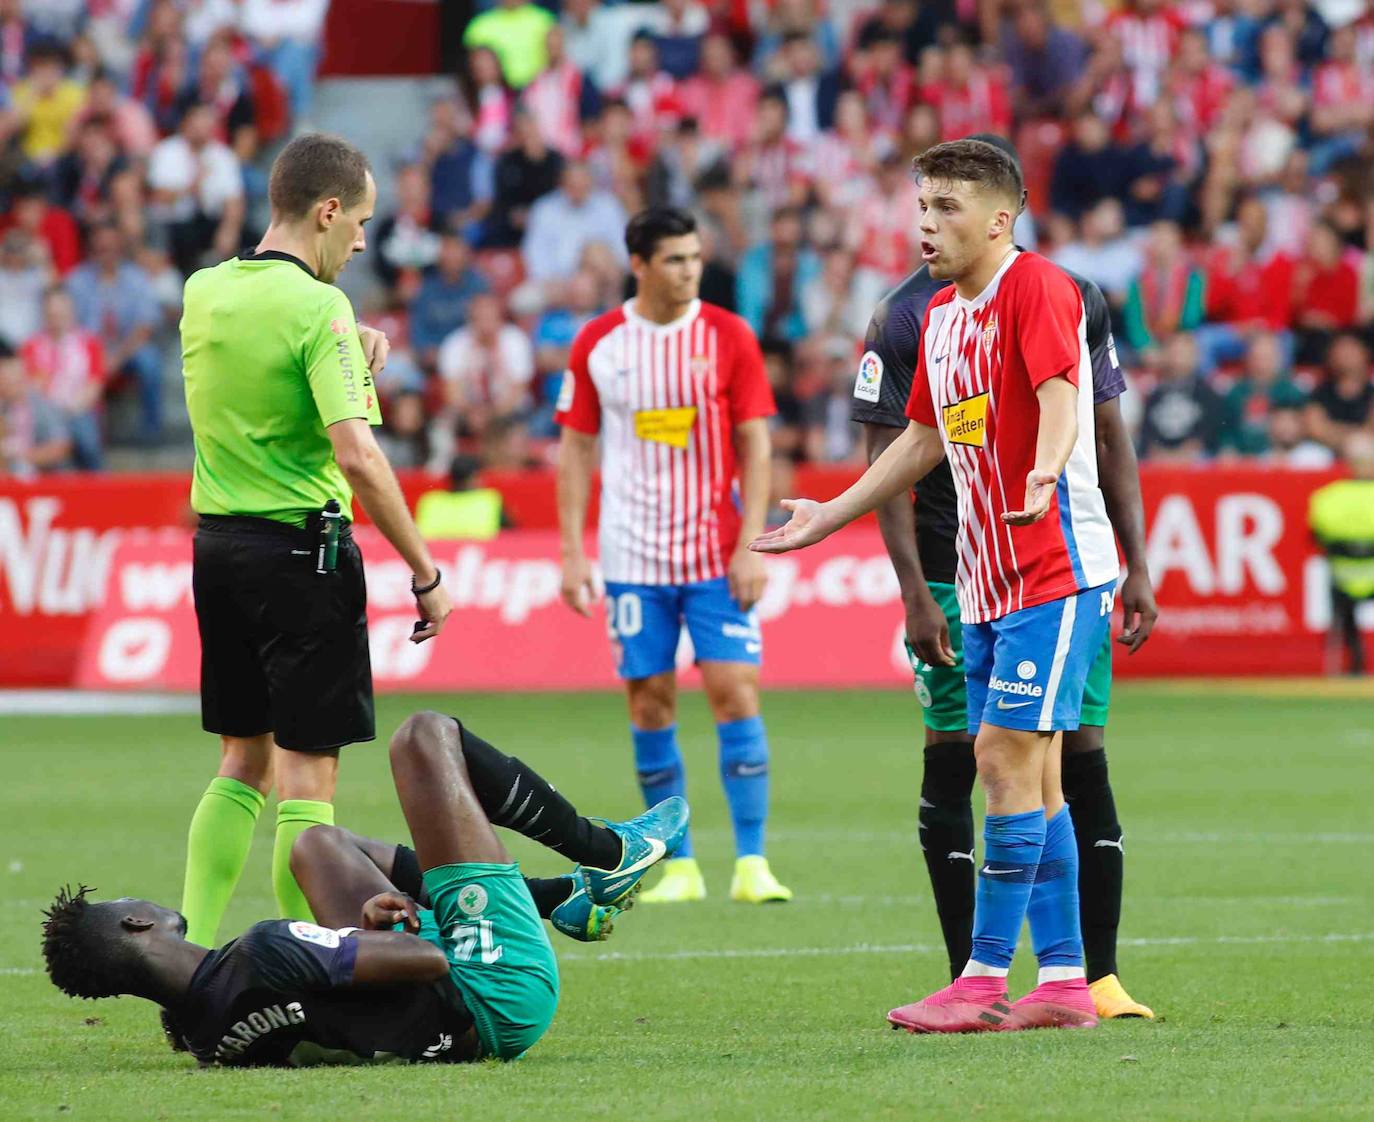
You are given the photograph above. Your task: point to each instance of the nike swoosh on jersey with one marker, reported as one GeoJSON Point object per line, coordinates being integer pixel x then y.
{"type": "Point", "coordinates": [1002, 704]}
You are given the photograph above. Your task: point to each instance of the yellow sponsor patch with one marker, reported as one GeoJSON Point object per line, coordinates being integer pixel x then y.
{"type": "Point", "coordinates": [964, 420]}
{"type": "Point", "coordinates": [666, 426]}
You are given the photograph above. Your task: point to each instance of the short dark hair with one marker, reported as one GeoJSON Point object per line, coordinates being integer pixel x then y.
{"type": "Point", "coordinates": [972, 161]}
{"type": "Point", "coordinates": [649, 227]}
{"type": "Point", "coordinates": [82, 948]}
{"type": "Point", "coordinates": [317, 166]}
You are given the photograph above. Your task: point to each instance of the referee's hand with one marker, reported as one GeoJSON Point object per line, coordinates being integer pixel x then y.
{"type": "Point", "coordinates": [376, 347]}
{"type": "Point", "coordinates": [435, 607]}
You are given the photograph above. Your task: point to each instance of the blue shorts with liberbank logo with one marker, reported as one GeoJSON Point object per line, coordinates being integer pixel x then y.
{"type": "Point", "coordinates": [645, 622]}
{"type": "Point", "coordinates": [1027, 669]}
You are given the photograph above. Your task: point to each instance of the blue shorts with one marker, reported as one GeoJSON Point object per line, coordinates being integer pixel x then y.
{"type": "Point", "coordinates": [1027, 669]}
{"type": "Point", "coordinates": [645, 623]}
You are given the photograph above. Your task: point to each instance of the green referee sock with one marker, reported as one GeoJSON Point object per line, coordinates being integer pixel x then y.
{"type": "Point", "coordinates": [294, 817]}
{"type": "Point", "coordinates": [216, 850]}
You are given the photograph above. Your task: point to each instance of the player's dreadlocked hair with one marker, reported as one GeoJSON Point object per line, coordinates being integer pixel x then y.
{"type": "Point", "coordinates": [972, 161]}
{"type": "Point", "coordinates": [82, 957]}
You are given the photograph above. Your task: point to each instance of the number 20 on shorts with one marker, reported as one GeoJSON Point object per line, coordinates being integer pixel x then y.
{"type": "Point", "coordinates": [624, 615]}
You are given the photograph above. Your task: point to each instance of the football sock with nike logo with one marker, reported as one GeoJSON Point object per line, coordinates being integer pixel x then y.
{"type": "Point", "coordinates": [658, 764]}
{"type": "Point", "coordinates": [1101, 858]}
{"type": "Point", "coordinates": [946, 830]}
{"type": "Point", "coordinates": [1053, 907]}
{"type": "Point", "coordinates": [1012, 844]}
{"type": "Point", "coordinates": [518, 798]}
{"type": "Point", "coordinates": [744, 774]}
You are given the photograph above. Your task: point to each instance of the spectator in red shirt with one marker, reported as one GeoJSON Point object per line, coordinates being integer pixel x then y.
{"type": "Point", "coordinates": [221, 84]}
{"type": "Point", "coordinates": [1148, 32]}
{"type": "Point", "coordinates": [1325, 293]}
{"type": "Point", "coordinates": [774, 165]}
{"type": "Point", "coordinates": [560, 98]}
{"type": "Point", "coordinates": [649, 91]}
{"type": "Point", "coordinates": [129, 122]}
{"type": "Point", "coordinates": [722, 97]}
{"type": "Point", "coordinates": [1198, 87]}
{"type": "Point", "coordinates": [50, 225]}
{"type": "Point", "coordinates": [1247, 290]}
{"type": "Point", "coordinates": [67, 366]}
{"type": "Point", "coordinates": [1342, 103]}
{"type": "Point", "coordinates": [970, 98]}
{"type": "Point", "coordinates": [886, 81]}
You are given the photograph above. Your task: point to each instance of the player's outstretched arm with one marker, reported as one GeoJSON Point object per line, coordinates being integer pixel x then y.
{"type": "Point", "coordinates": [927, 630]}
{"type": "Point", "coordinates": [1118, 474]}
{"type": "Point", "coordinates": [1058, 398]}
{"type": "Point", "coordinates": [904, 462]}
{"type": "Point", "coordinates": [577, 457]}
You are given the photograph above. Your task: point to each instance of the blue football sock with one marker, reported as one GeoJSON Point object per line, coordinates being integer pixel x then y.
{"type": "Point", "coordinates": [744, 774]}
{"type": "Point", "coordinates": [1012, 844]}
{"type": "Point", "coordinates": [659, 765]}
{"type": "Point", "coordinates": [1053, 909]}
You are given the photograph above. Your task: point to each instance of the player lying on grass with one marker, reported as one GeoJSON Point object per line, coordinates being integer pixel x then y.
{"type": "Point", "coordinates": [469, 976]}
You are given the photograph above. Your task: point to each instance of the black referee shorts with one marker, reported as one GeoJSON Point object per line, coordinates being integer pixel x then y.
{"type": "Point", "coordinates": [283, 649]}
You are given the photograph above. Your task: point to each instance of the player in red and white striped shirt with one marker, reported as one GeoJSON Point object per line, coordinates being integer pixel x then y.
{"type": "Point", "coordinates": [676, 391]}
{"type": "Point", "coordinates": [1003, 353]}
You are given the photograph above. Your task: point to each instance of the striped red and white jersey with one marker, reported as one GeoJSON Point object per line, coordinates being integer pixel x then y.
{"type": "Point", "coordinates": [665, 399]}
{"type": "Point", "coordinates": [980, 364]}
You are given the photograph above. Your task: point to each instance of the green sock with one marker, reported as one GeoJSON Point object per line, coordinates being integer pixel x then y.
{"type": "Point", "coordinates": [294, 817]}
{"type": "Point", "coordinates": [216, 850]}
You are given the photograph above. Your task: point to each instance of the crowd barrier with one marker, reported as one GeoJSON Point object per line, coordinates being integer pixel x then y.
{"type": "Point", "coordinates": [95, 590]}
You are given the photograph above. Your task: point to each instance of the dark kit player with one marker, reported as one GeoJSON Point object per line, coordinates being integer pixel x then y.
{"type": "Point", "coordinates": [469, 975]}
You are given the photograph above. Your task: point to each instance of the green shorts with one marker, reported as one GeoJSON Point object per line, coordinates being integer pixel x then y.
{"type": "Point", "coordinates": [940, 689]}
{"type": "Point", "coordinates": [485, 922]}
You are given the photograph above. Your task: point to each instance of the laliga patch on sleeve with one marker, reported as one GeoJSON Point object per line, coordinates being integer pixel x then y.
{"type": "Point", "coordinates": [310, 933]}
{"type": "Point", "coordinates": [565, 392]}
{"type": "Point", "coordinates": [870, 378]}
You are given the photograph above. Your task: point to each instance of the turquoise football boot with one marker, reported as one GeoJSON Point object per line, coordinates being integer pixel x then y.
{"type": "Point", "coordinates": [645, 841]}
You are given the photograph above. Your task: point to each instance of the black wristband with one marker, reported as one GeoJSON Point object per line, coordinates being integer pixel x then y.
{"type": "Point", "coordinates": [431, 586]}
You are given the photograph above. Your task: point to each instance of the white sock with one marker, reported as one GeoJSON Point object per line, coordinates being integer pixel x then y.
{"type": "Point", "coordinates": [983, 970]}
{"type": "Point", "coordinates": [1060, 974]}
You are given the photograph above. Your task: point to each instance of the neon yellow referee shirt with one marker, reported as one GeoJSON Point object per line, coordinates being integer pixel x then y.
{"type": "Point", "coordinates": [271, 358]}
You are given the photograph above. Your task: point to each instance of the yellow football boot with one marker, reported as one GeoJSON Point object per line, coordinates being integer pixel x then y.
{"type": "Point", "coordinates": [754, 883]}
{"type": "Point", "coordinates": [682, 883]}
{"type": "Point", "coordinates": [1112, 1000]}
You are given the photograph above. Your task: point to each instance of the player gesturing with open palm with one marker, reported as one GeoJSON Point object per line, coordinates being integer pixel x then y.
{"type": "Point", "coordinates": [996, 391]}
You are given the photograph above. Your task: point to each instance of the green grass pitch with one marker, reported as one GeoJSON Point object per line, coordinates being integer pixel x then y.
{"type": "Point", "coordinates": [1249, 925]}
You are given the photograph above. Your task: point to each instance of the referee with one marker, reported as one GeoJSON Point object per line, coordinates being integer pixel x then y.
{"type": "Point", "coordinates": [282, 403]}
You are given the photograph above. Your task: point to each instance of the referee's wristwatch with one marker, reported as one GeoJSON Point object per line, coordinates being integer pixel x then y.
{"type": "Point", "coordinates": [419, 590]}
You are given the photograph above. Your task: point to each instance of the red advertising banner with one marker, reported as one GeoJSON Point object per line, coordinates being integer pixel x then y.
{"type": "Point", "coordinates": [1241, 588]}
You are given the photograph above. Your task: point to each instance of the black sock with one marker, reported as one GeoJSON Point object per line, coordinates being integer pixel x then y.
{"type": "Point", "coordinates": [548, 892]}
{"type": "Point", "coordinates": [516, 797]}
{"type": "Point", "coordinates": [946, 819]}
{"type": "Point", "coordinates": [406, 875]}
{"type": "Point", "coordinates": [1100, 857]}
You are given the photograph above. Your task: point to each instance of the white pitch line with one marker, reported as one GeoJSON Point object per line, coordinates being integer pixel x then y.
{"type": "Point", "coordinates": [894, 948]}
{"type": "Point", "coordinates": [931, 948]}
{"type": "Point", "coordinates": [88, 703]}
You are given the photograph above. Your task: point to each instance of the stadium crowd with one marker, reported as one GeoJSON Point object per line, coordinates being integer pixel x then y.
{"type": "Point", "coordinates": [1210, 165]}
